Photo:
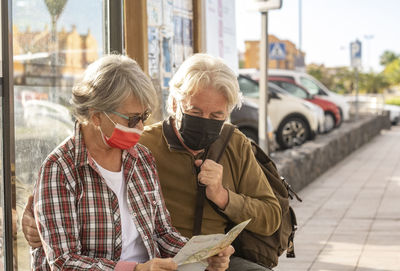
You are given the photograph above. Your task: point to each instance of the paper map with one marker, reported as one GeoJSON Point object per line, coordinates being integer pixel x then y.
{"type": "Point", "coordinates": [201, 247]}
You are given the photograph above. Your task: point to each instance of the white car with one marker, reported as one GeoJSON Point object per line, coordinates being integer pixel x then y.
{"type": "Point", "coordinates": [313, 86]}
{"type": "Point", "coordinates": [294, 120]}
{"type": "Point", "coordinates": [374, 104]}
{"type": "Point", "coordinates": [316, 88]}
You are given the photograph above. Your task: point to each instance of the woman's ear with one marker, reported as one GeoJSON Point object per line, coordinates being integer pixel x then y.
{"type": "Point", "coordinates": [94, 117]}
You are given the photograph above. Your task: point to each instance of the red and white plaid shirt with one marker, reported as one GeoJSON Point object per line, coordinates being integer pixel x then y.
{"type": "Point", "coordinates": [78, 214]}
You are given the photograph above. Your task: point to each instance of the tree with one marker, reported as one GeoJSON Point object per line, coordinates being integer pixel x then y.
{"type": "Point", "coordinates": [392, 72]}
{"type": "Point", "coordinates": [55, 8]}
{"type": "Point", "coordinates": [321, 73]}
{"type": "Point", "coordinates": [373, 82]}
{"type": "Point", "coordinates": [387, 57]}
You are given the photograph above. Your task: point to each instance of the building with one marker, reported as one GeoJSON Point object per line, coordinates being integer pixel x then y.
{"type": "Point", "coordinates": [294, 58]}
{"type": "Point", "coordinates": [38, 61]}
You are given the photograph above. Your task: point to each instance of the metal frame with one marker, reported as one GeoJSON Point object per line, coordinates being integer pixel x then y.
{"type": "Point", "coordinates": [115, 26]}
{"type": "Point", "coordinates": [114, 15]}
{"type": "Point", "coordinates": [8, 133]}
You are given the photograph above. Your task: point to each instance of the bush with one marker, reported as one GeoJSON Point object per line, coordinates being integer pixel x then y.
{"type": "Point", "coordinates": [394, 101]}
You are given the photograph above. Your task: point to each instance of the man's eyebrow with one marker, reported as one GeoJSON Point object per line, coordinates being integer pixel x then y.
{"type": "Point", "coordinates": [194, 108]}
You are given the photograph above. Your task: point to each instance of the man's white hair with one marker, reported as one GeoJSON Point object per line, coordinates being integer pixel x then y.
{"type": "Point", "coordinates": [202, 71]}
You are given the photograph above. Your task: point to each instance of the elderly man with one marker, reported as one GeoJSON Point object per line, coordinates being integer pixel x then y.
{"type": "Point", "coordinates": [202, 93]}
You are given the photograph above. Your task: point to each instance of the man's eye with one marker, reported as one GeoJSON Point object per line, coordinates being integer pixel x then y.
{"type": "Point", "coordinates": [217, 117]}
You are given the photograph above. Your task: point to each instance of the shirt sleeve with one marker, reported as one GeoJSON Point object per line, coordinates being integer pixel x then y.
{"type": "Point", "coordinates": [254, 197]}
{"type": "Point", "coordinates": [169, 240]}
{"type": "Point", "coordinates": [56, 219]}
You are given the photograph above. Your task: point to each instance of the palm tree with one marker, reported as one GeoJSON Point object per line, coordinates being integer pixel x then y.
{"type": "Point", "coordinates": [55, 8]}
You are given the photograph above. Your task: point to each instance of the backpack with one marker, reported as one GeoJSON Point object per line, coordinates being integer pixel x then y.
{"type": "Point", "coordinates": [263, 250]}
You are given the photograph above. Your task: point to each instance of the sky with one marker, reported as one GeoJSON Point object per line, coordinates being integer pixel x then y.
{"type": "Point", "coordinates": [328, 27]}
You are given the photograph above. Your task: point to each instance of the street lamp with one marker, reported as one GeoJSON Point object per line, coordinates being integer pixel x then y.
{"type": "Point", "coordinates": [367, 39]}
{"type": "Point", "coordinates": [264, 6]}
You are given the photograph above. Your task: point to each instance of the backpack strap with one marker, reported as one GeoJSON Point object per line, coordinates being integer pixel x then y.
{"type": "Point", "coordinates": [214, 153]}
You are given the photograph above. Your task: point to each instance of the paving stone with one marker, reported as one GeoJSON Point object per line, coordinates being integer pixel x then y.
{"type": "Point", "coordinates": [350, 218]}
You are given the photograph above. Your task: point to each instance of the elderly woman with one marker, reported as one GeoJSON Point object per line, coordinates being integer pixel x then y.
{"type": "Point", "coordinates": [98, 202]}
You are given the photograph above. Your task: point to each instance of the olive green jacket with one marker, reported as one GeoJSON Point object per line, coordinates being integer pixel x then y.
{"type": "Point", "coordinates": [250, 195]}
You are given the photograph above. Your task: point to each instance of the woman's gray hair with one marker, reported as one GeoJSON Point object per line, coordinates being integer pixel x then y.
{"type": "Point", "coordinates": [107, 83]}
{"type": "Point", "coordinates": [202, 71]}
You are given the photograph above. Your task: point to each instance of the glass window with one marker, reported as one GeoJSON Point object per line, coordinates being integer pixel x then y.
{"type": "Point", "coordinates": [309, 85]}
{"type": "Point", "coordinates": [293, 89]}
{"type": "Point", "coordinates": [248, 87]}
{"type": "Point", "coordinates": [54, 41]}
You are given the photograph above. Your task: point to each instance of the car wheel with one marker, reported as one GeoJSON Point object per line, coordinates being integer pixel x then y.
{"type": "Point", "coordinates": [292, 131]}
{"type": "Point", "coordinates": [250, 134]}
{"type": "Point", "coordinates": [329, 122]}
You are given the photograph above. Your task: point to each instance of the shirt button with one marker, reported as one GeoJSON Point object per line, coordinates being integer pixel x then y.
{"type": "Point", "coordinates": [134, 214]}
{"type": "Point", "coordinates": [145, 238]}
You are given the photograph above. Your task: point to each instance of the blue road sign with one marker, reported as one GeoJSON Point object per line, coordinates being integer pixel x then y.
{"type": "Point", "coordinates": [355, 54]}
{"type": "Point", "coordinates": [277, 50]}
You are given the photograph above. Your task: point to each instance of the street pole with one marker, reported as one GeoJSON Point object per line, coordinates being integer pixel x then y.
{"type": "Point", "coordinates": [263, 102]}
{"type": "Point", "coordinates": [368, 39]}
{"type": "Point", "coordinates": [356, 85]}
{"type": "Point", "coordinates": [300, 26]}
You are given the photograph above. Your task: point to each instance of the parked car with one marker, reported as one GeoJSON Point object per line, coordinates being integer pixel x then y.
{"type": "Point", "coordinates": [331, 111]}
{"type": "Point", "coordinates": [374, 104]}
{"type": "Point", "coordinates": [294, 120]}
{"type": "Point", "coordinates": [246, 119]}
{"type": "Point", "coordinates": [313, 86]}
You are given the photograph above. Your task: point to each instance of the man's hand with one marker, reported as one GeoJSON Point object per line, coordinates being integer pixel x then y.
{"type": "Point", "coordinates": [29, 226]}
{"type": "Point", "coordinates": [220, 262]}
{"type": "Point", "coordinates": [157, 264]}
{"type": "Point", "coordinates": [211, 176]}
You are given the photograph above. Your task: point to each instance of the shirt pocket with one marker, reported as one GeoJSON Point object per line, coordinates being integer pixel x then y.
{"type": "Point", "coordinates": [153, 206]}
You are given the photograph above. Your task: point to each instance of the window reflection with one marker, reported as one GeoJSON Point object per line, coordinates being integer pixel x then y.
{"type": "Point", "coordinates": [53, 42]}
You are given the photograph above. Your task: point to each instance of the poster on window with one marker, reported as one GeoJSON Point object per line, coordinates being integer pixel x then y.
{"type": "Point", "coordinates": [220, 31]}
{"type": "Point", "coordinates": [154, 12]}
{"type": "Point", "coordinates": [183, 31]}
{"type": "Point", "coordinates": [154, 52]}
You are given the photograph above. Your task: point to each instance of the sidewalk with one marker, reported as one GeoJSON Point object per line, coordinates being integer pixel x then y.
{"type": "Point", "coordinates": [350, 216]}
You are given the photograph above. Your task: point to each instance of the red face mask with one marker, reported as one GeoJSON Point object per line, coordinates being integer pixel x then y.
{"type": "Point", "coordinates": [122, 137]}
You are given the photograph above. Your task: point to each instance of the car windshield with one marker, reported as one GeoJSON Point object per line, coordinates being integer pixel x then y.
{"type": "Point", "coordinates": [248, 87]}
{"type": "Point", "coordinates": [311, 86]}
{"type": "Point", "coordinates": [292, 89]}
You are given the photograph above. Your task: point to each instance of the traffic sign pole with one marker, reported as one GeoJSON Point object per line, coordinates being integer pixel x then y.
{"type": "Point", "coordinates": [263, 102]}
{"type": "Point", "coordinates": [355, 57]}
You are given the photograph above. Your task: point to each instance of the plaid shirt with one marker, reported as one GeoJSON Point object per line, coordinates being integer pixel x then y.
{"type": "Point", "coordinates": [78, 215]}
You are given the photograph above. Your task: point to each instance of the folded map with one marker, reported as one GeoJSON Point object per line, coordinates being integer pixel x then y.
{"type": "Point", "coordinates": [201, 247]}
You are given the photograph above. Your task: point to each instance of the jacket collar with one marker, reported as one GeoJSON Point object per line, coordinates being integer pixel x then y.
{"type": "Point", "coordinates": [170, 136]}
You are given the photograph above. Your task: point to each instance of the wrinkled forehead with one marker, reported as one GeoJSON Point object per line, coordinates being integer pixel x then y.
{"type": "Point", "coordinates": [207, 99]}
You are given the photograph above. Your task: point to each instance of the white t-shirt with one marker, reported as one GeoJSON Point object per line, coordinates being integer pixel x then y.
{"type": "Point", "coordinates": [133, 249]}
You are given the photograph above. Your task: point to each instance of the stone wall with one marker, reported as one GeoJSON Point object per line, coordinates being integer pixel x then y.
{"type": "Point", "coordinates": [302, 165]}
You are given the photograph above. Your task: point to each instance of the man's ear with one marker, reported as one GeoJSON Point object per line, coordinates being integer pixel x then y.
{"type": "Point", "coordinates": [174, 106]}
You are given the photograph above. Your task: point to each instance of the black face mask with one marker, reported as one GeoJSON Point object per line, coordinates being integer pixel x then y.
{"type": "Point", "coordinates": [198, 133]}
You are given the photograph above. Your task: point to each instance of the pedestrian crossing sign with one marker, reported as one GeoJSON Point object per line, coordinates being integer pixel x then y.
{"type": "Point", "coordinates": [277, 50]}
